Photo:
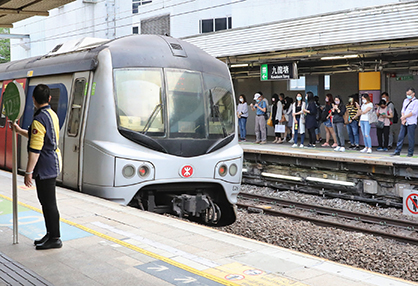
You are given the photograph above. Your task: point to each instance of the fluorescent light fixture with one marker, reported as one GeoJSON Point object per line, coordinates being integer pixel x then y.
{"type": "Point", "coordinates": [244, 170]}
{"type": "Point", "coordinates": [239, 65]}
{"type": "Point", "coordinates": [339, 57]}
{"type": "Point", "coordinates": [332, 182]}
{"type": "Point", "coordinates": [283, 177]}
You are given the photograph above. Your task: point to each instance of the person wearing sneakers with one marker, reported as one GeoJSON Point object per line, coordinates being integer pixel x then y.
{"type": "Point", "coordinates": [384, 115]}
{"type": "Point", "coordinates": [408, 123]}
{"type": "Point", "coordinates": [44, 163]}
{"type": "Point", "coordinates": [338, 110]}
{"type": "Point", "coordinates": [326, 119]}
{"type": "Point", "coordinates": [310, 119]}
{"type": "Point", "coordinates": [298, 120]}
{"type": "Point", "coordinates": [260, 119]}
{"type": "Point", "coordinates": [353, 118]}
{"type": "Point", "coordinates": [242, 113]}
{"type": "Point", "coordinates": [276, 115]}
{"type": "Point", "coordinates": [366, 108]}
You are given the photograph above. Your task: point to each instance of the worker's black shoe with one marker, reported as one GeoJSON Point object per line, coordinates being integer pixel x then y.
{"type": "Point", "coordinates": [50, 243]}
{"type": "Point", "coordinates": [42, 240]}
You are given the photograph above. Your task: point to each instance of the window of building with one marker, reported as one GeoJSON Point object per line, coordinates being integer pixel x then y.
{"type": "Point", "coordinates": [218, 24]}
{"type": "Point", "coordinates": [296, 84]}
{"type": "Point", "coordinates": [135, 30]}
{"type": "Point", "coordinates": [137, 3]}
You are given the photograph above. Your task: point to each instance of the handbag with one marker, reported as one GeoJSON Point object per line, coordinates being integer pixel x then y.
{"type": "Point", "coordinates": [380, 124]}
{"type": "Point", "coordinates": [372, 116]}
{"type": "Point", "coordinates": [346, 116]}
{"type": "Point", "coordinates": [270, 122]}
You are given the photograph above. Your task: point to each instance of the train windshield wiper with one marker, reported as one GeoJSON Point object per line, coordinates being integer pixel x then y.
{"type": "Point", "coordinates": [152, 117]}
{"type": "Point", "coordinates": [215, 109]}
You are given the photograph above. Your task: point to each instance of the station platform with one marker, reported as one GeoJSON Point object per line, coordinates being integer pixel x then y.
{"type": "Point", "coordinates": [108, 244]}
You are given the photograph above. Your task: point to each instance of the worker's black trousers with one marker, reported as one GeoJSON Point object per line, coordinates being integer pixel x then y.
{"type": "Point", "coordinates": [47, 198]}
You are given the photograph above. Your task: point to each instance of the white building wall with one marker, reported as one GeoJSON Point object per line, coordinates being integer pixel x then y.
{"type": "Point", "coordinates": [103, 20]}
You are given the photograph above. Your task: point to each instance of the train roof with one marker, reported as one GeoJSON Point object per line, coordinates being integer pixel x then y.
{"type": "Point", "coordinates": [129, 51]}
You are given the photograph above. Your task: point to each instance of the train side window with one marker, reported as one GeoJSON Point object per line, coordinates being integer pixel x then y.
{"type": "Point", "coordinates": [2, 115]}
{"type": "Point", "coordinates": [55, 98]}
{"type": "Point", "coordinates": [76, 107]}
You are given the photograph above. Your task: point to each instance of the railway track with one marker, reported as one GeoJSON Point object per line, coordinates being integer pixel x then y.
{"type": "Point", "coordinates": [406, 230]}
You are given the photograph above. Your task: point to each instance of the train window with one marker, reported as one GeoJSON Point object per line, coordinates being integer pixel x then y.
{"type": "Point", "coordinates": [185, 104]}
{"type": "Point", "coordinates": [76, 106]}
{"type": "Point", "coordinates": [139, 101]}
{"type": "Point", "coordinates": [221, 106]}
{"type": "Point", "coordinates": [55, 98]}
{"type": "Point", "coordinates": [2, 115]}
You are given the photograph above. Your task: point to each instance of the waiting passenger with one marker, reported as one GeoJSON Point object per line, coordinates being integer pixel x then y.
{"type": "Point", "coordinates": [276, 116]}
{"type": "Point", "coordinates": [408, 123]}
{"type": "Point", "coordinates": [318, 119]}
{"type": "Point", "coordinates": [310, 118]}
{"type": "Point", "coordinates": [288, 109]}
{"type": "Point", "coordinates": [326, 118]}
{"type": "Point", "coordinates": [242, 113]}
{"type": "Point", "coordinates": [260, 119]}
{"type": "Point", "coordinates": [364, 112]}
{"type": "Point", "coordinates": [298, 120]}
{"type": "Point", "coordinates": [353, 121]}
{"type": "Point", "coordinates": [338, 110]}
{"type": "Point", "coordinates": [382, 129]}
{"type": "Point", "coordinates": [393, 120]}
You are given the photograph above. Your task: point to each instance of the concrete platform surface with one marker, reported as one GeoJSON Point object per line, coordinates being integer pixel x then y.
{"type": "Point", "coordinates": [109, 244]}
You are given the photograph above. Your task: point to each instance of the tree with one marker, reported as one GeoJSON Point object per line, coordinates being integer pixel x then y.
{"type": "Point", "coordinates": [4, 47]}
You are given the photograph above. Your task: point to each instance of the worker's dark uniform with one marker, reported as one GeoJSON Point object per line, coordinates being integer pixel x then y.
{"type": "Point", "coordinates": [43, 139]}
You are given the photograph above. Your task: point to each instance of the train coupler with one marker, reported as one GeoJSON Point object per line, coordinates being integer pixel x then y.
{"type": "Point", "coordinates": [198, 206]}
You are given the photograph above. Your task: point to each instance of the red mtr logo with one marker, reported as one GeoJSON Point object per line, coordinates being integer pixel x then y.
{"type": "Point", "coordinates": [186, 171]}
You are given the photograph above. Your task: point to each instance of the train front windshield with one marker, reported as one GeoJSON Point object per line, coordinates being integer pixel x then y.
{"type": "Point", "coordinates": [174, 103]}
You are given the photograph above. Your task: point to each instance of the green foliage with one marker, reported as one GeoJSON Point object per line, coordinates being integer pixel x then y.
{"type": "Point", "coordinates": [4, 47]}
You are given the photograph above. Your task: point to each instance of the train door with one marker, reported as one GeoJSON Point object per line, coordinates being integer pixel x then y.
{"type": "Point", "coordinates": [74, 124]}
{"type": "Point", "coordinates": [6, 133]}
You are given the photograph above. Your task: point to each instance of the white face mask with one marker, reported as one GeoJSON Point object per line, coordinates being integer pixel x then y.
{"type": "Point", "coordinates": [326, 100]}
{"type": "Point", "coordinates": [241, 99]}
{"type": "Point", "coordinates": [337, 102]}
{"type": "Point", "coordinates": [384, 98]}
{"type": "Point", "coordinates": [364, 100]}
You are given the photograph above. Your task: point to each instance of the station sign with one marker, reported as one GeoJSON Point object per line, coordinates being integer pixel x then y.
{"type": "Point", "coordinates": [280, 71]}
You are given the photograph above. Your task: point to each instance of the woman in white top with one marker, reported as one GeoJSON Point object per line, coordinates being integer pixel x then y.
{"type": "Point", "coordinates": [242, 113]}
{"type": "Point", "coordinates": [366, 108]}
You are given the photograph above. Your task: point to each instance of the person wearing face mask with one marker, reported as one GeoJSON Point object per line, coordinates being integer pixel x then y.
{"type": "Point", "coordinates": [326, 119]}
{"type": "Point", "coordinates": [384, 115]}
{"type": "Point", "coordinates": [392, 110]}
{"type": "Point", "coordinates": [353, 121]}
{"type": "Point", "coordinates": [408, 123]}
{"type": "Point", "coordinates": [276, 115]}
{"type": "Point", "coordinates": [260, 119]}
{"type": "Point", "coordinates": [298, 120]}
{"type": "Point", "coordinates": [366, 108]}
{"type": "Point", "coordinates": [242, 113]}
{"type": "Point", "coordinates": [338, 110]}
{"type": "Point", "coordinates": [310, 118]}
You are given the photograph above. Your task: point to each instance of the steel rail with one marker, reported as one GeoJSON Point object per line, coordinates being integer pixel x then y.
{"type": "Point", "coordinates": [366, 218]}
{"type": "Point", "coordinates": [322, 222]}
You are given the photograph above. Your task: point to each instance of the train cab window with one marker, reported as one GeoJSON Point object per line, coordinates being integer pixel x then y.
{"type": "Point", "coordinates": [139, 101]}
{"type": "Point", "coordinates": [76, 106]}
{"type": "Point", "coordinates": [2, 114]}
{"type": "Point", "coordinates": [55, 98]}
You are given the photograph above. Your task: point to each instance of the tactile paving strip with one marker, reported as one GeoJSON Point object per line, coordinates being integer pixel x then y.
{"type": "Point", "coordinates": [12, 273]}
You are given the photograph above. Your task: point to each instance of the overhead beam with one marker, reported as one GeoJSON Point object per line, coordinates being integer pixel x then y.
{"type": "Point", "coordinates": [14, 36]}
{"type": "Point", "coordinates": [23, 12]}
{"type": "Point", "coordinates": [6, 25]}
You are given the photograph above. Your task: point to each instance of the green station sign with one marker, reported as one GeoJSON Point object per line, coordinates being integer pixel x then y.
{"type": "Point", "coordinates": [14, 100]}
{"type": "Point", "coordinates": [281, 71]}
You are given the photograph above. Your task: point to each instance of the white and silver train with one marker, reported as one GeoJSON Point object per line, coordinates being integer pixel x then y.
{"type": "Point", "coordinates": [145, 120]}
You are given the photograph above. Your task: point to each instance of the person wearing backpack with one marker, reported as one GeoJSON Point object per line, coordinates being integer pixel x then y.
{"type": "Point", "coordinates": [393, 120]}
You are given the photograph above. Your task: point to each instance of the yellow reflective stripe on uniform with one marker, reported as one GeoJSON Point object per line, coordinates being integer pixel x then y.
{"type": "Point", "coordinates": [56, 123]}
{"type": "Point", "coordinates": [37, 136]}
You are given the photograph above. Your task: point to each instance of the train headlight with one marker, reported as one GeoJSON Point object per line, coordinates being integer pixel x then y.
{"type": "Point", "coordinates": [143, 171]}
{"type": "Point", "coordinates": [233, 170]}
{"type": "Point", "coordinates": [223, 169]}
{"type": "Point", "coordinates": [128, 171]}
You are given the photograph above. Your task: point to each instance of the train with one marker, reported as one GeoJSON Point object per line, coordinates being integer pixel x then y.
{"type": "Point", "coordinates": [145, 120]}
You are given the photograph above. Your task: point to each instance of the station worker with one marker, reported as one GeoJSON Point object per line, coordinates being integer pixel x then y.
{"type": "Point", "coordinates": [408, 123]}
{"type": "Point", "coordinates": [44, 163]}
{"type": "Point", "coordinates": [242, 113]}
{"type": "Point", "coordinates": [260, 119]}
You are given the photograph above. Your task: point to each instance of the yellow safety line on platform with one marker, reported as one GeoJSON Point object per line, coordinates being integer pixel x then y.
{"type": "Point", "coordinates": [135, 248]}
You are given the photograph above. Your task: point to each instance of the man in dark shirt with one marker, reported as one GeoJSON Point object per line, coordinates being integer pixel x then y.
{"type": "Point", "coordinates": [44, 163]}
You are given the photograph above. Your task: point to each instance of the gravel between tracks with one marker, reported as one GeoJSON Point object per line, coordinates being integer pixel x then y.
{"type": "Point", "coordinates": [356, 249]}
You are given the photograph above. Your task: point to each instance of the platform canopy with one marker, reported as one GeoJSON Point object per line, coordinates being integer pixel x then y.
{"type": "Point", "coordinates": [364, 39]}
{"type": "Point", "coordinates": [12, 11]}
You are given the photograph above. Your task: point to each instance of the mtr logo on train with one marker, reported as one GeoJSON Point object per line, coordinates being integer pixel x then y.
{"type": "Point", "coordinates": [186, 171]}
